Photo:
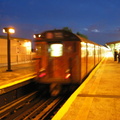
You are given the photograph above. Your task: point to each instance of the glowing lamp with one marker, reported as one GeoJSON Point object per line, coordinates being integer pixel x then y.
{"type": "Point", "coordinates": [8, 30]}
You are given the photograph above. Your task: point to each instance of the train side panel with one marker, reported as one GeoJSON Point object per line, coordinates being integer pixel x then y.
{"type": "Point", "coordinates": [90, 57]}
{"type": "Point", "coordinates": [76, 64]}
{"type": "Point", "coordinates": [83, 64]}
{"type": "Point", "coordinates": [96, 54]}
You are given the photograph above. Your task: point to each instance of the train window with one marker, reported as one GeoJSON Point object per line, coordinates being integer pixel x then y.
{"type": "Point", "coordinates": [83, 49]}
{"type": "Point", "coordinates": [96, 50]}
{"type": "Point", "coordinates": [90, 49]}
{"type": "Point", "coordinates": [56, 50]}
{"type": "Point", "coordinates": [70, 47]}
{"type": "Point", "coordinates": [40, 49]}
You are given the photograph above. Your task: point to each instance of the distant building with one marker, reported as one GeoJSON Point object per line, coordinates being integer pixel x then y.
{"type": "Point", "coordinates": [20, 50]}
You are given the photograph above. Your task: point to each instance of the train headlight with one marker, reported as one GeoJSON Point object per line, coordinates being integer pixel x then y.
{"type": "Point", "coordinates": [34, 36]}
{"type": "Point", "coordinates": [39, 35]}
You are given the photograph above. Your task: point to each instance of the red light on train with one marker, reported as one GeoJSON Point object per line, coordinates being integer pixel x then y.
{"type": "Point", "coordinates": [42, 75]}
{"type": "Point", "coordinates": [67, 76]}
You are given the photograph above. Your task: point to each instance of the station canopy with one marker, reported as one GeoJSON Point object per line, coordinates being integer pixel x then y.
{"type": "Point", "coordinates": [114, 45]}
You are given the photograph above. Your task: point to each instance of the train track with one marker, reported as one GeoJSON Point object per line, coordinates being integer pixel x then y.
{"type": "Point", "coordinates": [32, 106]}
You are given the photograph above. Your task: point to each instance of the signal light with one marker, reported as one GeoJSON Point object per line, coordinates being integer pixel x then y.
{"type": "Point", "coordinates": [42, 75]}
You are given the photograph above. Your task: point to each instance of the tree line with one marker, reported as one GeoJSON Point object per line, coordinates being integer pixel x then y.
{"type": "Point", "coordinates": [78, 33]}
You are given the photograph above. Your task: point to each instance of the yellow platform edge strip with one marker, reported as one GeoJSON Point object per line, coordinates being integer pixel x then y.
{"type": "Point", "coordinates": [18, 80]}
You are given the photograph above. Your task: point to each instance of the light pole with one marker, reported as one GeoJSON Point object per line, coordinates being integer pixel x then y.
{"type": "Point", "coordinates": [8, 31]}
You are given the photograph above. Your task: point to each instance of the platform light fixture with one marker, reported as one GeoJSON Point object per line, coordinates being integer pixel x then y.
{"type": "Point", "coordinates": [9, 31]}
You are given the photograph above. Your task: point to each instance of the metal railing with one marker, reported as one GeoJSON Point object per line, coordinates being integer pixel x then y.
{"type": "Point", "coordinates": [16, 59]}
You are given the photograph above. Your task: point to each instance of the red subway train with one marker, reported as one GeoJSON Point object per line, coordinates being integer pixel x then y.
{"type": "Point", "coordinates": [64, 59]}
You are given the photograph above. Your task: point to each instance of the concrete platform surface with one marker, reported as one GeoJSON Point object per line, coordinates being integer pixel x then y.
{"type": "Point", "coordinates": [98, 98]}
{"type": "Point", "coordinates": [19, 72]}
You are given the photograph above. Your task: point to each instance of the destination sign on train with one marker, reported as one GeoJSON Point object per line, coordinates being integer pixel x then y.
{"type": "Point", "coordinates": [51, 35]}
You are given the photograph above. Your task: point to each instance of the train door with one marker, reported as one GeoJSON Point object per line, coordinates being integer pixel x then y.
{"type": "Point", "coordinates": [56, 62]}
{"type": "Point", "coordinates": [73, 60]}
{"type": "Point", "coordinates": [41, 58]}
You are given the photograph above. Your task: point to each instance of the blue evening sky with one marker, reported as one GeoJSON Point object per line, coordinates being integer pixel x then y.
{"type": "Point", "coordinates": [98, 19]}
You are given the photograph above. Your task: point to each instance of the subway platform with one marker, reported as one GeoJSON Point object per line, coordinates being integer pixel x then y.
{"type": "Point", "coordinates": [20, 75]}
{"type": "Point", "coordinates": [98, 98]}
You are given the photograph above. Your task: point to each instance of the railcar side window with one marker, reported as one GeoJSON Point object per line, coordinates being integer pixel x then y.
{"type": "Point", "coordinates": [71, 47]}
{"type": "Point", "coordinates": [90, 49]}
{"type": "Point", "coordinates": [40, 49]}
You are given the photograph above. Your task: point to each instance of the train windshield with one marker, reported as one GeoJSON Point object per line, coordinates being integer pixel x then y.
{"type": "Point", "coordinates": [56, 50]}
{"type": "Point", "coordinates": [41, 49]}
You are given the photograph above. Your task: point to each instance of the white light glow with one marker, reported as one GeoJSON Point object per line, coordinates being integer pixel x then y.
{"type": "Point", "coordinates": [34, 36]}
{"type": "Point", "coordinates": [11, 30]}
{"type": "Point", "coordinates": [27, 44]}
{"type": "Point", "coordinates": [56, 50]}
{"type": "Point", "coordinates": [4, 31]}
{"type": "Point", "coordinates": [39, 35]}
{"type": "Point", "coordinates": [8, 30]}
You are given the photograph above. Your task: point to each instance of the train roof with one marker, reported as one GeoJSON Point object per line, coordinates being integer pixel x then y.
{"type": "Point", "coordinates": [61, 35]}
{"type": "Point", "coordinates": [114, 42]}
{"type": "Point", "coordinates": [86, 40]}
{"type": "Point", "coordinates": [56, 35]}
